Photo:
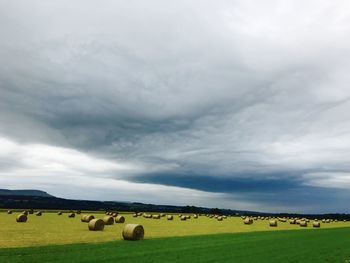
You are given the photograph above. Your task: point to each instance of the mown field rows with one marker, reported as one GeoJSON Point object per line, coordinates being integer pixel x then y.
{"type": "Point", "coordinates": [323, 245]}
{"type": "Point", "coordinates": [53, 229]}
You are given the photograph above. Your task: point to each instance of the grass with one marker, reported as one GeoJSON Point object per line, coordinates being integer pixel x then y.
{"type": "Point", "coordinates": [53, 229]}
{"type": "Point", "coordinates": [322, 245]}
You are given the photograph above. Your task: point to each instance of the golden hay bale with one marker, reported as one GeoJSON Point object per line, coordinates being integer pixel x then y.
{"type": "Point", "coordinates": [140, 214]}
{"type": "Point", "coordinates": [316, 224]}
{"type": "Point", "coordinates": [59, 213]}
{"type": "Point", "coordinates": [87, 218]}
{"type": "Point", "coordinates": [273, 223]}
{"type": "Point", "coordinates": [108, 220]}
{"type": "Point", "coordinates": [133, 232]}
{"type": "Point", "coordinates": [71, 215]}
{"type": "Point", "coordinates": [9, 212]}
{"type": "Point", "coordinates": [39, 213]}
{"type": "Point", "coordinates": [180, 215]}
{"type": "Point", "coordinates": [120, 219]}
{"type": "Point", "coordinates": [156, 216]}
{"type": "Point", "coordinates": [292, 221]}
{"type": "Point", "coordinates": [195, 216]}
{"type": "Point", "coordinates": [328, 221]}
{"type": "Point", "coordinates": [21, 218]}
{"type": "Point", "coordinates": [323, 220]}
{"type": "Point", "coordinates": [115, 214]}
{"type": "Point", "coordinates": [303, 223]}
{"type": "Point", "coordinates": [25, 213]}
{"type": "Point", "coordinates": [219, 218]}
{"type": "Point", "coordinates": [170, 217]}
{"type": "Point", "coordinates": [183, 218]}
{"type": "Point", "coordinates": [188, 217]}
{"type": "Point", "coordinates": [162, 215]}
{"type": "Point", "coordinates": [134, 215]}
{"type": "Point", "coordinates": [96, 225]}
{"type": "Point", "coordinates": [248, 221]}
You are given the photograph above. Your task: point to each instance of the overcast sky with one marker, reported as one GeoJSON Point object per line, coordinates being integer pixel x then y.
{"type": "Point", "coordinates": [232, 104]}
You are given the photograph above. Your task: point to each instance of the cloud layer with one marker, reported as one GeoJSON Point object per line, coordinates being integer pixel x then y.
{"type": "Point", "coordinates": [243, 103]}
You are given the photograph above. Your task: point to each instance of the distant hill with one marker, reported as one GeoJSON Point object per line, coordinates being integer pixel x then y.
{"type": "Point", "coordinates": [24, 193]}
{"type": "Point", "coordinates": [36, 199]}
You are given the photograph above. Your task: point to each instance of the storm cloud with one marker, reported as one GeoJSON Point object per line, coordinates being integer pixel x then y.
{"type": "Point", "coordinates": [236, 104]}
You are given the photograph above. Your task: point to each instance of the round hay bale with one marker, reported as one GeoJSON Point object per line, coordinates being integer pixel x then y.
{"type": "Point", "coordinates": [156, 216]}
{"type": "Point", "coordinates": [195, 216]}
{"type": "Point", "coordinates": [120, 219]}
{"type": "Point", "coordinates": [87, 218]}
{"type": "Point", "coordinates": [140, 214]}
{"type": "Point", "coordinates": [108, 220]}
{"type": "Point", "coordinates": [162, 215]}
{"type": "Point", "coordinates": [134, 215]}
{"type": "Point", "coordinates": [292, 221]}
{"type": "Point", "coordinates": [273, 223]}
{"type": "Point", "coordinates": [9, 212]}
{"type": "Point", "coordinates": [21, 218]}
{"type": "Point", "coordinates": [25, 213]}
{"type": "Point", "coordinates": [188, 217]}
{"type": "Point", "coordinates": [71, 215]}
{"type": "Point", "coordinates": [248, 221]}
{"type": "Point", "coordinates": [96, 225]}
{"type": "Point", "coordinates": [59, 213]}
{"type": "Point", "coordinates": [219, 218]}
{"type": "Point", "coordinates": [303, 223]}
{"type": "Point", "coordinates": [183, 218]}
{"type": "Point", "coordinates": [316, 224]}
{"type": "Point", "coordinates": [133, 232]}
{"type": "Point", "coordinates": [115, 214]}
{"type": "Point", "coordinates": [170, 217]}
{"type": "Point", "coordinates": [39, 213]}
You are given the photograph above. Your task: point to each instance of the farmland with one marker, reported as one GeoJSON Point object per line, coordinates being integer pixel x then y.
{"type": "Point", "coordinates": [322, 245]}
{"type": "Point", "coordinates": [51, 229]}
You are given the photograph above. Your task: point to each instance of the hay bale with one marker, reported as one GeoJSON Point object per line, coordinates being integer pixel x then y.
{"type": "Point", "coordinates": [162, 215]}
{"type": "Point", "coordinates": [188, 217]}
{"type": "Point", "coordinates": [96, 225]}
{"type": "Point", "coordinates": [120, 219]}
{"type": "Point", "coordinates": [115, 214]}
{"type": "Point", "coordinates": [71, 215]}
{"type": "Point", "coordinates": [9, 212]}
{"type": "Point", "coordinates": [219, 218]}
{"type": "Point", "coordinates": [183, 218]}
{"type": "Point", "coordinates": [25, 213]}
{"type": "Point", "coordinates": [79, 212]}
{"type": "Point", "coordinates": [133, 232]}
{"type": "Point", "coordinates": [273, 223]}
{"type": "Point", "coordinates": [59, 213]}
{"type": "Point", "coordinates": [156, 216]}
{"type": "Point", "coordinates": [134, 215]}
{"type": "Point", "coordinates": [21, 218]}
{"type": "Point", "coordinates": [195, 216]}
{"type": "Point", "coordinates": [316, 224]}
{"type": "Point", "coordinates": [248, 221]}
{"type": "Point", "coordinates": [292, 221]}
{"type": "Point", "coordinates": [87, 218]}
{"type": "Point", "coordinates": [140, 214]}
{"type": "Point", "coordinates": [108, 220]}
{"type": "Point", "coordinates": [170, 217]}
{"type": "Point", "coordinates": [39, 213]}
{"type": "Point", "coordinates": [303, 223]}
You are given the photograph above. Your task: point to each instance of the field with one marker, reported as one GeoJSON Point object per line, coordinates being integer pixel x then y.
{"type": "Point", "coordinates": [323, 245]}
{"type": "Point", "coordinates": [54, 238]}
{"type": "Point", "coordinates": [53, 229]}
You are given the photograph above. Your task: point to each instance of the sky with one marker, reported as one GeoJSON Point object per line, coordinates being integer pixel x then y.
{"type": "Point", "coordinates": [232, 104]}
